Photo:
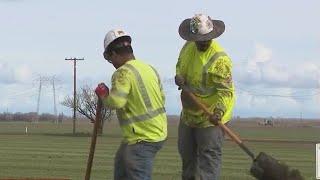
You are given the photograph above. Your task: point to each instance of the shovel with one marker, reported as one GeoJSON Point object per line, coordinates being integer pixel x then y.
{"type": "Point", "coordinates": [264, 167]}
{"type": "Point", "coordinates": [97, 123]}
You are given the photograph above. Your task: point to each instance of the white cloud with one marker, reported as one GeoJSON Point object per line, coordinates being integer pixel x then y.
{"type": "Point", "coordinates": [268, 85]}
{"type": "Point", "coordinates": [14, 74]}
{"type": "Point", "coordinates": [252, 71]}
{"type": "Point", "coordinates": [17, 97]}
{"type": "Point", "coordinates": [262, 53]}
{"type": "Point", "coordinates": [256, 103]}
{"type": "Point", "coordinates": [274, 73]}
{"type": "Point", "coordinates": [265, 70]}
{"type": "Point", "coordinates": [6, 74]}
{"type": "Point", "coordinates": [305, 75]}
{"type": "Point", "coordinates": [22, 73]}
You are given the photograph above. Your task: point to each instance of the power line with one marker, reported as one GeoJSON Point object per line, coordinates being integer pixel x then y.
{"type": "Point", "coordinates": [278, 95]}
{"type": "Point", "coordinates": [23, 93]}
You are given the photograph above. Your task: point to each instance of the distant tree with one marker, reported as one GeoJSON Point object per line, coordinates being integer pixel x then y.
{"type": "Point", "coordinates": [60, 118]}
{"type": "Point", "coordinates": [19, 116]}
{"type": "Point", "coordinates": [47, 117]}
{"type": "Point", "coordinates": [6, 116]}
{"type": "Point", "coordinates": [86, 104]}
{"type": "Point", "coordinates": [31, 116]}
{"type": "Point", "coordinates": [26, 117]}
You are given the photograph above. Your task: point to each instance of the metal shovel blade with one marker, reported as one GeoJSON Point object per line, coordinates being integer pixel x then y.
{"type": "Point", "coordinates": [265, 167]}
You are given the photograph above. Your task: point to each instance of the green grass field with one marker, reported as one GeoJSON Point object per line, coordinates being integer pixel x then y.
{"type": "Point", "coordinates": [49, 150]}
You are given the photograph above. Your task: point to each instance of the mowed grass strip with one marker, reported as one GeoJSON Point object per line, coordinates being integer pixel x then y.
{"type": "Point", "coordinates": [56, 153]}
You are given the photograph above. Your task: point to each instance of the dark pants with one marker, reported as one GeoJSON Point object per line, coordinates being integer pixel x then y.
{"type": "Point", "coordinates": [200, 151]}
{"type": "Point", "coordinates": [134, 162]}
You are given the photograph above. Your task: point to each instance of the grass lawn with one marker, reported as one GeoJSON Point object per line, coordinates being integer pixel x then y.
{"type": "Point", "coordinates": [49, 150]}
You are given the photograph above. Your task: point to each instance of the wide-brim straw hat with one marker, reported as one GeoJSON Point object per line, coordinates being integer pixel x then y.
{"type": "Point", "coordinates": [201, 28]}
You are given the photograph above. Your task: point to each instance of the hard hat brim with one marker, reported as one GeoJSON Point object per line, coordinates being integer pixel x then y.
{"type": "Point", "coordinates": [125, 37]}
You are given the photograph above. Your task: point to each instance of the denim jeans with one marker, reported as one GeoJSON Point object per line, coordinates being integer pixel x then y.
{"type": "Point", "coordinates": [135, 161]}
{"type": "Point", "coordinates": [200, 151]}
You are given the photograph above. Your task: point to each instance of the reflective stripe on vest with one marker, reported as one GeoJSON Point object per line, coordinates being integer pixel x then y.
{"type": "Point", "coordinates": [151, 113]}
{"type": "Point", "coordinates": [159, 81]}
{"type": "Point", "coordinates": [143, 117]}
{"type": "Point", "coordinates": [142, 88]}
{"type": "Point", "coordinates": [203, 90]}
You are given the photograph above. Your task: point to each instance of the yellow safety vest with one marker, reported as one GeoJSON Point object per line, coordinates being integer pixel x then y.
{"type": "Point", "coordinates": [138, 98]}
{"type": "Point", "coordinates": [209, 76]}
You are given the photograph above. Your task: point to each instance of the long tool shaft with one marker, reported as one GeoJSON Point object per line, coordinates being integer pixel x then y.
{"type": "Point", "coordinates": [232, 135]}
{"type": "Point", "coordinates": [97, 123]}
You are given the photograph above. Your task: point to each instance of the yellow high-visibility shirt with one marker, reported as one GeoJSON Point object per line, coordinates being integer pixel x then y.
{"type": "Point", "coordinates": [209, 76]}
{"type": "Point", "coordinates": [138, 98]}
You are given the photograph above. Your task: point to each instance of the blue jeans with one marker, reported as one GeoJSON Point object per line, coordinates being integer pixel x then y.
{"type": "Point", "coordinates": [135, 161]}
{"type": "Point", "coordinates": [200, 151]}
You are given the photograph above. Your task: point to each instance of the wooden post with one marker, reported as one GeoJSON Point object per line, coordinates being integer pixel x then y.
{"type": "Point", "coordinates": [74, 89]}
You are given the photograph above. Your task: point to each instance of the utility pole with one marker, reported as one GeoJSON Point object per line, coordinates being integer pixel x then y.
{"type": "Point", "coordinates": [74, 88]}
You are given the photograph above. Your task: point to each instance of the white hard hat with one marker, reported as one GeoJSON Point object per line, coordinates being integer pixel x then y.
{"type": "Point", "coordinates": [113, 35]}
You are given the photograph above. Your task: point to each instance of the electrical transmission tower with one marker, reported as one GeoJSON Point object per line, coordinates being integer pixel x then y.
{"type": "Point", "coordinates": [54, 100]}
{"type": "Point", "coordinates": [45, 81]}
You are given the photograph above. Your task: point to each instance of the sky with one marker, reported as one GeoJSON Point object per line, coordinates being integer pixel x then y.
{"type": "Point", "coordinates": [274, 46]}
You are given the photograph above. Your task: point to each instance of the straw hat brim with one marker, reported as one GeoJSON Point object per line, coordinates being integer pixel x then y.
{"type": "Point", "coordinates": [186, 34]}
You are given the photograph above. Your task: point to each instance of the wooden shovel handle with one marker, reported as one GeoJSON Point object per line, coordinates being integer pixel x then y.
{"type": "Point", "coordinates": [97, 123]}
{"type": "Point", "coordinates": [232, 135]}
{"type": "Point", "coordinates": [208, 113]}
